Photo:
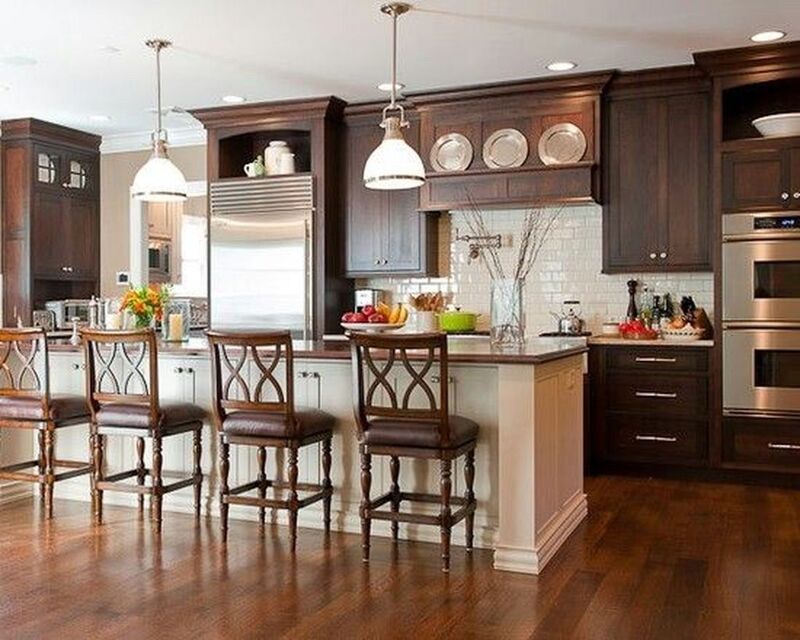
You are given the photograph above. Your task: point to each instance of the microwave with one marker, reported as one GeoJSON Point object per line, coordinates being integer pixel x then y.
{"type": "Point", "coordinates": [65, 311]}
{"type": "Point", "coordinates": [159, 260]}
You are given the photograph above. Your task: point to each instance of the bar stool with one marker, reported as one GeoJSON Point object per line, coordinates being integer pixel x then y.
{"type": "Point", "coordinates": [122, 383]}
{"type": "Point", "coordinates": [389, 425]}
{"type": "Point", "coordinates": [26, 403]}
{"type": "Point", "coordinates": [261, 413]}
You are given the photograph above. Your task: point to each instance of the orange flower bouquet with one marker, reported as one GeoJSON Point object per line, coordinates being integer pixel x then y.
{"type": "Point", "coordinates": [146, 303]}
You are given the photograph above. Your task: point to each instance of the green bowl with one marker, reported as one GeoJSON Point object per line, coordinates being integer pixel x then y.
{"type": "Point", "coordinates": [457, 321]}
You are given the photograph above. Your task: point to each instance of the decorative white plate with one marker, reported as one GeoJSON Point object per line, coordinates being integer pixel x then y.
{"type": "Point", "coordinates": [505, 149]}
{"type": "Point", "coordinates": [372, 326]}
{"type": "Point", "coordinates": [451, 152]}
{"type": "Point", "coordinates": [562, 143]}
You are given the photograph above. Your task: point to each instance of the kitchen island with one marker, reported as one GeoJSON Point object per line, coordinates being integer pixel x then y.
{"type": "Point", "coordinates": [529, 459]}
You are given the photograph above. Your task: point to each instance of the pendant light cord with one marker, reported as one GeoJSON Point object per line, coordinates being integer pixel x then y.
{"type": "Point", "coordinates": [158, 90]}
{"type": "Point", "coordinates": [393, 103]}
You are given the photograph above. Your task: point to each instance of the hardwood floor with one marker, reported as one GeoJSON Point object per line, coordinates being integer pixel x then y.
{"type": "Point", "coordinates": [656, 559]}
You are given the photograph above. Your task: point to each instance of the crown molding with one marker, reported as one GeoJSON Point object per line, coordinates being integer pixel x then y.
{"type": "Point", "coordinates": [140, 140]}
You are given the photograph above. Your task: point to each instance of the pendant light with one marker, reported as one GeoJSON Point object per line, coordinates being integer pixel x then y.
{"type": "Point", "coordinates": [159, 180]}
{"type": "Point", "coordinates": [394, 164]}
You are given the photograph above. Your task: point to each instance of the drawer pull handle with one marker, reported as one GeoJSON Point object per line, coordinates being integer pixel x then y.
{"type": "Point", "coordinates": [642, 438]}
{"type": "Point", "coordinates": [784, 446]}
{"type": "Point", "coordinates": [651, 359]}
{"type": "Point", "coordinates": [656, 394]}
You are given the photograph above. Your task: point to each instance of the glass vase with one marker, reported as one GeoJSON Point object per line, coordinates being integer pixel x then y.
{"type": "Point", "coordinates": [508, 313]}
{"type": "Point", "coordinates": [175, 320]}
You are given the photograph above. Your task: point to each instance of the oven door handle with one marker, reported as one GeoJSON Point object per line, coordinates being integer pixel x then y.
{"type": "Point", "coordinates": [755, 237]}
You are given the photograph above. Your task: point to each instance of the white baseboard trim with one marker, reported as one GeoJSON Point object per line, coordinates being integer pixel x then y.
{"type": "Point", "coordinates": [14, 491]}
{"type": "Point", "coordinates": [548, 542]}
{"type": "Point", "coordinates": [344, 516]}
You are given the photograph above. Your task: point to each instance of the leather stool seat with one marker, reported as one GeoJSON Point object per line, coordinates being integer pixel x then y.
{"type": "Point", "coordinates": [62, 407]}
{"type": "Point", "coordinates": [137, 416]}
{"type": "Point", "coordinates": [308, 422]}
{"type": "Point", "coordinates": [413, 433]}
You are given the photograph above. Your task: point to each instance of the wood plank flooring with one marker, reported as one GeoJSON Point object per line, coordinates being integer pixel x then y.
{"type": "Point", "coordinates": [656, 559]}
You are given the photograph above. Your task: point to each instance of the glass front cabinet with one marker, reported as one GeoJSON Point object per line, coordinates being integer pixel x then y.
{"type": "Point", "coordinates": [60, 168]}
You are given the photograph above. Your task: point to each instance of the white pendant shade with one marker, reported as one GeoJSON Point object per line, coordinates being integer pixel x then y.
{"type": "Point", "coordinates": [393, 164]}
{"type": "Point", "coordinates": [159, 180]}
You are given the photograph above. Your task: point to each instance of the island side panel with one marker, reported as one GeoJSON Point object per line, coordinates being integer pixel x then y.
{"type": "Point", "coordinates": [540, 455]}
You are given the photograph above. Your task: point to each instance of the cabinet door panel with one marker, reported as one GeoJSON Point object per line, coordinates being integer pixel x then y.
{"type": "Point", "coordinates": [752, 181]}
{"type": "Point", "coordinates": [686, 213]}
{"type": "Point", "coordinates": [794, 173]}
{"type": "Point", "coordinates": [631, 217]}
{"type": "Point", "coordinates": [51, 234]}
{"type": "Point", "coordinates": [83, 229]}
{"type": "Point", "coordinates": [366, 208]}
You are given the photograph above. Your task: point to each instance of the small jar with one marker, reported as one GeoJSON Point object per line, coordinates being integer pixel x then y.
{"type": "Point", "coordinates": [176, 320]}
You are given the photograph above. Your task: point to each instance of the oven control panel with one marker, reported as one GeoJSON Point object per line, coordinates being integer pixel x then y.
{"type": "Point", "coordinates": [777, 223]}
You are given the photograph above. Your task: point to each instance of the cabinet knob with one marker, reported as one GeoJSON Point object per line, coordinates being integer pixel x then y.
{"type": "Point", "coordinates": [189, 370]}
{"type": "Point", "coordinates": [796, 195]}
{"type": "Point", "coordinates": [385, 261]}
{"type": "Point", "coordinates": [652, 256]}
{"type": "Point", "coordinates": [178, 370]}
{"type": "Point", "coordinates": [76, 366]}
{"type": "Point", "coordinates": [785, 195]}
{"type": "Point", "coordinates": [662, 255]}
{"type": "Point", "coordinates": [377, 262]}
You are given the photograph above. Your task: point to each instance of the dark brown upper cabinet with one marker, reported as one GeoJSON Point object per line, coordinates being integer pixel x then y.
{"type": "Point", "coordinates": [531, 108]}
{"type": "Point", "coordinates": [657, 213]}
{"type": "Point", "coordinates": [385, 231]}
{"type": "Point", "coordinates": [762, 179]}
{"type": "Point", "coordinates": [51, 215]}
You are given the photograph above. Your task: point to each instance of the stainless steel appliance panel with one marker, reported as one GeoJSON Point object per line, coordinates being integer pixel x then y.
{"type": "Point", "coordinates": [762, 370]}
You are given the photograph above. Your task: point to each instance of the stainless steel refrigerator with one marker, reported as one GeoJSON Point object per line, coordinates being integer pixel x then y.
{"type": "Point", "coordinates": [260, 272]}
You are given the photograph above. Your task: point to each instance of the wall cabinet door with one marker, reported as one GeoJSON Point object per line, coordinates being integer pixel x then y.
{"type": "Point", "coordinates": [794, 177]}
{"type": "Point", "coordinates": [754, 181]}
{"type": "Point", "coordinates": [385, 232]}
{"type": "Point", "coordinates": [51, 233]}
{"type": "Point", "coordinates": [658, 191]}
{"type": "Point", "coordinates": [83, 227]}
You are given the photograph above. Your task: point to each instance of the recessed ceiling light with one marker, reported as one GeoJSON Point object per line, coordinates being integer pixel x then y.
{"type": "Point", "coordinates": [110, 49]}
{"type": "Point", "coordinates": [100, 118]}
{"type": "Point", "coordinates": [387, 86]}
{"type": "Point", "coordinates": [233, 99]}
{"type": "Point", "coordinates": [4, 87]}
{"type": "Point", "coordinates": [562, 65]}
{"type": "Point", "coordinates": [768, 36]}
{"type": "Point", "coordinates": [18, 61]}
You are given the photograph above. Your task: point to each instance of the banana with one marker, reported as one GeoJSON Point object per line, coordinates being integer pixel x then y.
{"type": "Point", "coordinates": [395, 314]}
{"type": "Point", "coordinates": [384, 308]}
{"type": "Point", "coordinates": [403, 314]}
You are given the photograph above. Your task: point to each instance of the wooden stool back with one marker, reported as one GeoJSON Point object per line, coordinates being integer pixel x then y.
{"type": "Point", "coordinates": [25, 365]}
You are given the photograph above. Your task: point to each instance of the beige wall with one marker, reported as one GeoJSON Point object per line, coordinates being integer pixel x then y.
{"type": "Point", "coordinates": [117, 171]}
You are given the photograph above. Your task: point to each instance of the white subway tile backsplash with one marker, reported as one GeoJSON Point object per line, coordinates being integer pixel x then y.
{"type": "Point", "coordinates": [568, 267]}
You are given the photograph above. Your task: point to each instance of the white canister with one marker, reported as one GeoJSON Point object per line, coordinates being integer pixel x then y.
{"type": "Point", "coordinates": [272, 156]}
{"type": "Point", "coordinates": [286, 163]}
{"type": "Point", "coordinates": [426, 322]}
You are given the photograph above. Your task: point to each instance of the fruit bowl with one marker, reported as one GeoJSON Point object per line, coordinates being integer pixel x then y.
{"type": "Point", "coordinates": [373, 326]}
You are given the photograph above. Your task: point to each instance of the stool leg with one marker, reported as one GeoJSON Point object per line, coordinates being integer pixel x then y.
{"type": "Point", "coordinates": [224, 468]}
{"type": "Point", "coordinates": [366, 484]}
{"type": "Point", "coordinates": [469, 495]}
{"type": "Point", "coordinates": [97, 460]}
{"type": "Point", "coordinates": [394, 468]}
{"type": "Point", "coordinates": [293, 499]}
{"type": "Point", "coordinates": [444, 513]}
{"type": "Point", "coordinates": [158, 483]}
{"type": "Point", "coordinates": [42, 463]}
{"type": "Point", "coordinates": [197, 451]}
{"type": "Point", "coordinates": [49, 457]}
{"type": "Point", "coordinates": [140, 470]}
{"type": "Point", "coordinates": [262, 483]}
{"type": "Point", "coordinates": [327, 486]}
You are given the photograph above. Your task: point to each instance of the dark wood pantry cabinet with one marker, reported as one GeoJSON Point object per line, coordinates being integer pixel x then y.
{"type": "Point", "coordinates": [386, 234]}
{"type": "Point", "coordinates": [51, 215]}
{"type": "Point", "coordinates": [657, 213]}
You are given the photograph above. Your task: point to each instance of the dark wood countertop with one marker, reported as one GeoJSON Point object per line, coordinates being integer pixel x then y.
{"type": "Point", "coordinates": [475, 350]}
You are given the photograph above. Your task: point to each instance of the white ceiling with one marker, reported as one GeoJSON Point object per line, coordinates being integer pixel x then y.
{"type": "Point", "coordinates": [275, 49]}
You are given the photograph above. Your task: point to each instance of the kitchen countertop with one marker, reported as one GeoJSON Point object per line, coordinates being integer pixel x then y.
{"type": "Point", "coordinates": [611, 341]}
{"type": "Point", "coordinates": [467, 350]}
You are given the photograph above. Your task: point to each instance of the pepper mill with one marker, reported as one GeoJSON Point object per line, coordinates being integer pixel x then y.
{"type": "Point", "coordinates": [632, 313]}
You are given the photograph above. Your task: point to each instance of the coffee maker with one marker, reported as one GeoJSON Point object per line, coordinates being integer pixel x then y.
{"type": "Point", "coordinates": [364, 297]}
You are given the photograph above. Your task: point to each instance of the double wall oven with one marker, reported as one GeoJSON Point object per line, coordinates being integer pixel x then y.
{"type": "Point", "coordinates": [761, 314]}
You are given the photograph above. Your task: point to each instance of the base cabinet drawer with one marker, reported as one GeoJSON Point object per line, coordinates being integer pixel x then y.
{"type": "Point", "coordinates": [641, 438]}
{"type": "Point", "coordinates": [657, 395]}
{"type": "Point", "coordinates": [773, 443]}
{"type": "Point", "coordinates": [653, 359]}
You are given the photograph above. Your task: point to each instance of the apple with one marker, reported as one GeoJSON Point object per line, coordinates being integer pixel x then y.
{"type": "Point", "coordinates": [368, 310]}
{"type": "Point", "coordinates": [358, 316]}
{"type": "Point", "coordinates": [377, 318]}
{"type": "Point", "coordinates": [348, 317]}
